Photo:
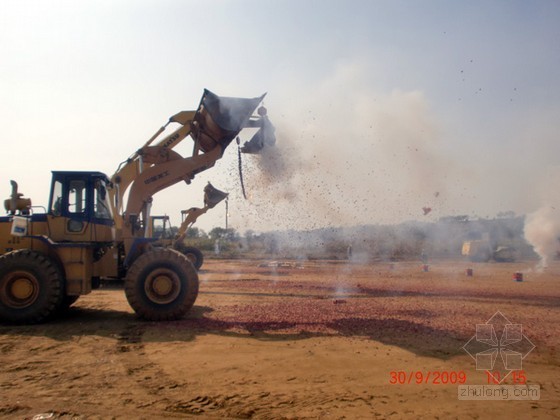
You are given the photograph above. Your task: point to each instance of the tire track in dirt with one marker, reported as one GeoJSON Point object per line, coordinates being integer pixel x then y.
{"type": "Point", "coordinates": [266, 404]}
{"type": "Point", "coordinates": [156, 390]}
{"type": "Point", "coordinates": [146, 385]}
{"type": "Point", "coordinates": [7, 349]}
{"type": "Point", "coordinates": [142, 386]}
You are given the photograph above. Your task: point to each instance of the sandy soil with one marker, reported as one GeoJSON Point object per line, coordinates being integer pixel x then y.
{"type": "Point", "coordinates": [309, 340]}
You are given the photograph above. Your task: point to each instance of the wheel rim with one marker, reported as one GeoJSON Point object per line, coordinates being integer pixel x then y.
{"type": "Point", "coordinates": [162, 286]}
{"type": "Point", "coordinates": [20, 289]}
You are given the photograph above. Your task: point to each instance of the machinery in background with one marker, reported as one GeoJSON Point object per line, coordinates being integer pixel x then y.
{"type": "Point", "coordinates": [481, 250]}
{"type": "Point", "coordinates": [160, 226]}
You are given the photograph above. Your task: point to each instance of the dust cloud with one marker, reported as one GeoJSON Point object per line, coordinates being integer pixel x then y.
{"type": "Point", "coordinates": [542, 226]}
{"type": "Point", "coordinates": [344, 158]}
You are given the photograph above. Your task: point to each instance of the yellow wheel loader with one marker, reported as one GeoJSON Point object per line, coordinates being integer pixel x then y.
{"type": "Point", "coordinates": [87, 233]}
{"type": "Point", "coordinates": [480, 250]}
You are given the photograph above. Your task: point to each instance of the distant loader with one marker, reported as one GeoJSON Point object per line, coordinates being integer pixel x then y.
{"type": "Point", "coordinates": [160, 227]}
{"type": "Point", "coordinates": [480, 250]}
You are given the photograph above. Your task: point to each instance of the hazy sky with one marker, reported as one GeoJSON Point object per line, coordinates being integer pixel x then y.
{"type": "Point", "coordinates": [381, 108]}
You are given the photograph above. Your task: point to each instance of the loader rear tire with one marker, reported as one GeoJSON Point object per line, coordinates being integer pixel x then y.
{"type": "Point", "coordinates": [31, 287]}
{"type": "Point", "coordinates": [161, 285]}
{"type": "Point", "coordinates": [194, 255]}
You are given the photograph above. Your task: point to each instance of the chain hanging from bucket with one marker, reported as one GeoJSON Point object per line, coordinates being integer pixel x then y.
{"type": "Point", "coordinates": [240, 169]}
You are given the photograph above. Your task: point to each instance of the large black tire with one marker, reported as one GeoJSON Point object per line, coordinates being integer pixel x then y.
{"type": "Point", "coordinates": [161, 285]}
{"type": "Point", "coordinates": [67, 301]}
{"type": "Point", "coordinates": [31, 287]}
{"type": "Point", "coordinates": [194, 255]}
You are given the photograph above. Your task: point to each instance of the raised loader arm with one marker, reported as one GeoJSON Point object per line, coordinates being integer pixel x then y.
{"type": "Point", "coordinates": [212, 127]}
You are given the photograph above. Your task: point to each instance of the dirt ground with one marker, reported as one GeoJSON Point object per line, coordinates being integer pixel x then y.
{"type": "Point", "coordinates": [311, 339]}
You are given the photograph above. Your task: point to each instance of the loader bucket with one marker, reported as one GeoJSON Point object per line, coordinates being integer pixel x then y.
{"type": "Point", "coordinates": [219, 120]}
{"type": "Point", "coordinates": [213, 196]}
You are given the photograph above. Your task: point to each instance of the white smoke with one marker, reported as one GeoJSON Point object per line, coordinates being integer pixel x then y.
{"type": "Point", "coordinates": [542, 231]}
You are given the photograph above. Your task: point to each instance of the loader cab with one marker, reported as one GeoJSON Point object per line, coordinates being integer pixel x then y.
{"type": "Point", "coordinates": [160, 228]}
{"type": "Point", "coordinates": [79, 208]}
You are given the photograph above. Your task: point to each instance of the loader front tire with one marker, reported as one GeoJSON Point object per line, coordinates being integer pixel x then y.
{"type": "Point", "coordinates": [31, 287]}
{"type": "Point", "coordinates": [161, 285]}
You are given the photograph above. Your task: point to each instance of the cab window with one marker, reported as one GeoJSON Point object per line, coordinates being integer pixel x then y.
{"type": "Point", "coordinates": [102, 210]}
{"type": "Point", "coordinates": [77, 197]}
{"type": "Point", "coordinates": [56, 206]}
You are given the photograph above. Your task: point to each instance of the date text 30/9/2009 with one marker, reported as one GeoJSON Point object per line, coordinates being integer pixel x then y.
{"type": "Point", "coordinates": [428, 377]}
